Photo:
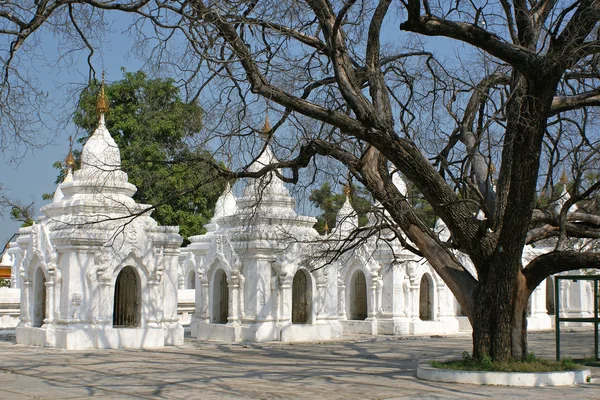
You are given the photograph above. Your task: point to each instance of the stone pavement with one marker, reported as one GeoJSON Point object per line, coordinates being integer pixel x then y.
{"type": "Point", "coordinates": [354, 368]}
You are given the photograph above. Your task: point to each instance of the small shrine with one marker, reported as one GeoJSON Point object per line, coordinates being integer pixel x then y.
{"type": "Point", "coordinates": [251, 282]}
{"type": "Point", "coordinates": [96, 270]}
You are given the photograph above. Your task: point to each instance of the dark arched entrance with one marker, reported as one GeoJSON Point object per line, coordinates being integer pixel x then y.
{"type": "Point", "coordinates": [220, 298]}
{"type": "Point", "coordinates": [358, 296]}
{"type": "Point", "coordinates": [127, 306]}
{"type": "Point", "coordinates": [426, 299]}
{"type": "Point", "coordinates": [39, 298]}
{"type": "Point", "coordinates": [191, 280]}
{"type": "Point", "coordinates": [301, 298]}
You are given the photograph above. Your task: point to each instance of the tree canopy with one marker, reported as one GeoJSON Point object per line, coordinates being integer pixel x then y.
{"type": "Point", "coordinates": [152, 127]}
{"type": "Point", "coordinates": [511, 84]}
{"type": "Point", "coordinates": [330, 203]}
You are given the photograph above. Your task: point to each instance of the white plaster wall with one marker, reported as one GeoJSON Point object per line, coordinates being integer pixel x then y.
{"type": "Point", "coordinates": [10, 303]}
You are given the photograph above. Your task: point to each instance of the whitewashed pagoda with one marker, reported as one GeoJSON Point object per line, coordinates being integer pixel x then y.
{"type": "Point", "coordinates": [251, 283]}
{"type": "Point", "coordinates": [96, 270]}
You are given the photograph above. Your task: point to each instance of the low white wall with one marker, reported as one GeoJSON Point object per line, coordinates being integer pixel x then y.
{"type": "Point", "coordinates": [186, 303]}
{"type": "Point", "coordinates": [10, 307]}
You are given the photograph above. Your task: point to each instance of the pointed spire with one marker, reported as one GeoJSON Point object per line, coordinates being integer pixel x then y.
{"type": "Point", "coordinates": [326, 228]}
{"type": "Point", "coordinates": [348, 186]}
{"type": "Point", "coordinates": [226, 204]}
{"type": "Point", "coordinates": [70, 160]}
{"type": "Point", "coordinates": [564, 179]}
{"type": "Point", "coordinates": [102, 103]}
{"type": "Point", "coordinates": [347, 189]}
{"type": "Point", "coordinates": [492, 169]}
{"type": "Point", "coordinates": [266, 130]}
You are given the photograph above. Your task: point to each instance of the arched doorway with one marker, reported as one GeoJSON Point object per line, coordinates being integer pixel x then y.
{"type": "Point", "coordinates": [191, 280]}
{"type": "Point", "coordinates": [127, 306]}
{"type": "Point", "coordinates": [220, 298]}
{"type": "Point", "coordinates": [426, 299]}
{"type": "Point", "coordinates": [301, 298]}
{"type": "Point", "coordinates": [39, 298]}
{"type": "Point", "coordinates": [550, 295]}
{"type": "Point", "coordinates": [358, 296]}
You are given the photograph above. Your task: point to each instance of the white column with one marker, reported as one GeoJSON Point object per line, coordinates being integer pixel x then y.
{"type": "Point", "coordinates": [372, 308]}
{"type": "Point", "coordinates": [234, 286]}
{"type": "Point", "coordinates": [414, 300]}
{"type": "Point", "coordinates": [202, 308]}
{"type": "Point", "coordinates": [285, 282]}
{"type": "Point", "coordinates": [49, 297]}
{"type": "Point", "coordinates": [342, 298]}
{"type": "Point", "coordinates": [105, 311]}
{"type": "Point", "coordinates": [25, 302]}
{"type": "Point", "coordinates": [321, 295]}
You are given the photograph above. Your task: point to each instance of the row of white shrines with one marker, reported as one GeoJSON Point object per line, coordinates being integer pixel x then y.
{"type": "Point", "coordinates": [96, 271]}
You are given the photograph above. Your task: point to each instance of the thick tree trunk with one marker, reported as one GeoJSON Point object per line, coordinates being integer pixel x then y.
{"type": "Point", "coordinates": [499, 319]}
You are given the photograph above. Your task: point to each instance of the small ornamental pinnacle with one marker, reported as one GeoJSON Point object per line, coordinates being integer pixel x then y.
{"type": "Point", "coordinates": [70, 160]}
{"type": "Point", "coordinates": [102, 104]}
{"type": "Point", "coordinates": [564, 179]}
{"type": "Point", "coordinates": [347, 189]}
{"type": "Point", "coordinates": [326, 228]}
{"type": "Point", "coordinates": [266, 128]}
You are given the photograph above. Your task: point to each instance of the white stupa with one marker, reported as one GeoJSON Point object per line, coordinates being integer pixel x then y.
{"type": "Point", "coordinates": [98, 272]}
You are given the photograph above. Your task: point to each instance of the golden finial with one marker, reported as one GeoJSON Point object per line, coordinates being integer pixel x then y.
{"type": "Point", "coordinates": [326, 227]}
{"type": "Point", "coordinates": [347, 189]}
{"type": "Point", "coordinates": [266, 127]}
{"type": "Point", "coordinates": [102, 104]}
{"type": "Point", "coordinates": [70, 160]}
{"type": "Point", "coordinates": [564, 179]}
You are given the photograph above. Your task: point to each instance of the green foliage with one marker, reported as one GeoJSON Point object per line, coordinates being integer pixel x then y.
{"type": "Point", "coordinates": [530, 363]}
{"type": "Point", "coordinates": [151, 125]}
{"type": "Point", "coordinates": [22, 214]}
{"type": "Point", "coordinates": [4, 283]}
{"type": "Point", "coordinates": [422, 208]}
{"type": "Point", "coordinates": [330, 203]}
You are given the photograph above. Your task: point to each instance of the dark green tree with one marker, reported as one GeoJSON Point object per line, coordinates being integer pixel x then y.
{"type": "Point", "coordinates": [151, 125]}
{"type": "Point", "coordinates": [330, 203]}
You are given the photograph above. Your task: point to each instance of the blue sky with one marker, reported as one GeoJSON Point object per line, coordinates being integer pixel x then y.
{"type": "Point", "coordinates": [32, 175]}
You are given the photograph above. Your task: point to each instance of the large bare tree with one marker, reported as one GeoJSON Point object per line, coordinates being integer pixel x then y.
{"type": "Point", "coordinates": [359, 82]}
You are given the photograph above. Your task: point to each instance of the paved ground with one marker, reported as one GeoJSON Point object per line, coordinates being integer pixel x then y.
{"type": "Point", "coordinates": [357, 368]}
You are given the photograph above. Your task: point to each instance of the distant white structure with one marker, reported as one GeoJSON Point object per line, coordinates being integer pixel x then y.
{"type": "Point", "coordinates": [251, 284]}
{"type": "Point", "coordinates": [96, 270]}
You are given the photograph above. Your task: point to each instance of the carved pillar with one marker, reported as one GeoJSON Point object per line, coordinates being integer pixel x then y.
{"type": "Point", "coordinates": [321, 295]}
{"type": "Point", "coordinates": [341, 298]}
{"type": "Point", "coordinates": [285, 283]}
{"type": "Point", "coordinates": [398, 298]}
{"type": "Point", "coordinates": [372, 306]}
{"type": "Point", "coordinates": [234, 287]}
{"type": "Point", "coordinates": [242, 284]}
{"type": "Point", "coordinates": [276, 297]}
{"type": "Point", "coordinates": [414, 300]}
{"type": "Point", "coordinates": [25, 301]}
{"type": "Point", "coordinates": [105, 311]}
{"type": "Point", "coordinates": [153, 297]}
{"type": "Point", "coordinates": [202, 308]}
{"type": "Point", "coordinates": [49, 296]}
